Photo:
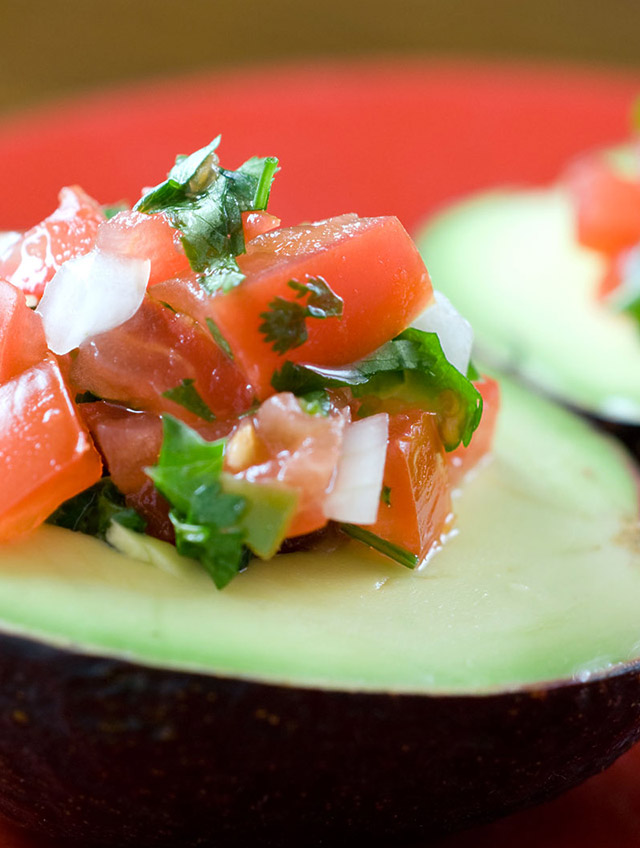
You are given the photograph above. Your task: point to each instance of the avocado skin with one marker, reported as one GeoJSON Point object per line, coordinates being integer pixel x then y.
{"type": "Point", "coordinates": [103, 752]}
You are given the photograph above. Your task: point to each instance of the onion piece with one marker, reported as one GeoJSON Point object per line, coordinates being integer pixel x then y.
{"type": "Point", "coordinates": [89, 295]}
{"type": "Point", "coordinates": [454, 331]}
{"type": "Point", "coordinates": [355, 495]}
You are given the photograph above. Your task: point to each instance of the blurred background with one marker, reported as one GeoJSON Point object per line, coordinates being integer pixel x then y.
{"type": "Point", "coordinates": [54, 48]}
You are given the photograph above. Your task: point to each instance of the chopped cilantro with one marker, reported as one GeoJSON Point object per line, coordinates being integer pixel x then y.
{"type": "Point", "coordinates": [112, 210]}
{"type": "Point", "coordinates": [411, 367]}
{"type": "Point", "coordinates": [395, 552]}
{"type": "Point", "coordinates": [218, 338]}
{"type": "Point", "coordinates": [316, 403]}
{"type": "Point", "coordinates": [206, 519]}
{"type": "Point", "coordinates": [205, 202]}
{"type": "Point", "coordinates": [187, 395]}
{"type": "Point", "coordinates": [284, 325]}
{"type": "Point", "coordinates": [385, 495]}
{"type": "Point", "coordinates": [93, 510]}
{"type": "Point", "coordinates": [218, 519]}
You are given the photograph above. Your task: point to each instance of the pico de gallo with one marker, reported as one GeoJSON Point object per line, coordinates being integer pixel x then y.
{"type": "Point", "coordinates": [194, 370]}
{"type": "Point", "coordinates": [606, 202]}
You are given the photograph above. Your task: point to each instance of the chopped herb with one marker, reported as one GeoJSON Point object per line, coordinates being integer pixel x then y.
{"type": "Point", "coordinates": [218, 519]}
{"type": "Point", "coordinates": [411, 367]}
{"type": "Point", "coordinates": [316, 403]}
{"type": "Point", "coordinates": [93, 510]}
{"type": "Point", "coordinates": [206, 519]}
{"type": "Point", "coordinates": [401, 555]}
{"type": "Point", "coordinates": [187, 395]}
{"type": "Point", "coordinates": [205, 202]}
{"type": "Point", "coordinates": [284, 325]}
{"type": "Point", "coordinates": [633, 308]}
{"type": "Point", "coordinates": [113, 209]}
{"type": "Point", "coordinates": [218, 338]}
{"type": "Point", "coordinates": [385, 495]}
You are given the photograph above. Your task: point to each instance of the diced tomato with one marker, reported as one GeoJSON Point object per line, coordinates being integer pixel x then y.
{"type": "Point", "coordinates": [152, 353]}
{"type": "Point", "coordinates": [463, 459]}
{"type": "Point", "coordinates": [282, 442]}
{"type": "Point", "coordinates": [371, 263]}
{"type": "Point", "coordinates": [258, 222]}
{"type": "Point", "coordinates": [607, 206]}
{"type": "Point", "coordinates": [146, 237]}
{"type": "Point", "coordinates": [46, 455]}
{"type": "Point", "coordinates": [417, 509]}
{"type": "Point", "coordinates": [22, 341]}
{"type": "Point", "coordinates": [70, 231]}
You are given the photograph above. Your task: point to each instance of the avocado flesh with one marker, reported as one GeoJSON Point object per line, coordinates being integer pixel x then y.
{"type": "Point", "coordinates": [540, 581]}
{"type": "Point", "coordinates": [509, 261]}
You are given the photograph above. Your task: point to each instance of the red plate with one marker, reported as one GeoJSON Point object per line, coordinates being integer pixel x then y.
{"type": "Point", "coordinates": [377, 138]}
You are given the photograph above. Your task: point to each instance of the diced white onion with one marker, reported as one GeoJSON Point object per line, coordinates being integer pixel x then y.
{"type": "Point", "coordinates": [89, 295]}
{"type": "Point", "coordinates": [355, 496]}
{"type": "Point", "coordinates": [454, 331]}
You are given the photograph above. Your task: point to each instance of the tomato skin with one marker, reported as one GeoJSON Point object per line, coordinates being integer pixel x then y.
{"type": "Point", "coordinates": [461, 460]}
{"type": "Point", "coordinates": [70, 231]}
{"type": "Point", "coordinates": [258, 222]}
{"type": "Point", "coordinates": [371, 263]}
{"type": "Point", "coordinates": [46, 455]}
{"type": "Point", "coordinates": [143, 236]}
{"type": "Point", "coordinates": [419, 509]}
{"type": "Point", "coordinates": [607, 206]}
{"type": "Point", "coordinates": [22, 340]}
{"type": "Point", "coordinates": [153, 352]}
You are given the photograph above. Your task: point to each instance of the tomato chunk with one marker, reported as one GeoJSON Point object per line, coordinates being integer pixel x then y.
{"type": "Point", "coordinates": [371, 263]}
{"type": "Point", "coordinates": [146, 237]}
{"type": "Point", "coordinates": [70, 231]}
{"type": "Point", "coordinates": [461, 460]}
{"type": "Point", "coordinates": [607, 206]}
{"type": "Point", "coordinates": [417, 508]}
{"type": "Point", "coordinates": [22, 340]}
{"type": "Point", "coordinates": [256, 223]}
{"type": "Point", "coordinates": [152, 353]}
{"type": "Point", "coordinates": [282, 442]}
{"type": "Point", "coordinates": [46, 455]}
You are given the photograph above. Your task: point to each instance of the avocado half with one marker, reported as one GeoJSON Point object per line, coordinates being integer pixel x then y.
{"type": "Point", "coordinates": [326, 698]}
{"type": "Point", "coordinates": [510, 262]}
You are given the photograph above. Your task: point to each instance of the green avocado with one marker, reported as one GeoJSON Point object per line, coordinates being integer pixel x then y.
{"type": "Point", "coordinates": [510, 263]}
{"type": "Point", "coordinates": [329, 698]}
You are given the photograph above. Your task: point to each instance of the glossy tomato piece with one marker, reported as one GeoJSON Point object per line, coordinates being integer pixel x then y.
{"type": "Point", "coordinates": [154, 352]}
{"type": "Point", "coordinates": [416, 510]}
{"type": "Point", "coordinates": [607, 206]}
{"type": "Point", "coordinates": [46, 455]}
{"type": "Point", "coordinates": [371, 263]}
{"type": "Point", "coordinates": [31, 262]}
{"type": "Point", "coordinates": [461, 460]}
{"type": "Point", "coordinates": [282, 442]}
{"type": "Point", "coordinates": [144, 236]}
{"type": "Point", "coordinates": [258, 222]}
{"type": "Point", "coordinates": [22, 340]}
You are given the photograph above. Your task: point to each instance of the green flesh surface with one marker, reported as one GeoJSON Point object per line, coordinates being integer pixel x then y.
{"type": "Point", "coordinates": [510, 263]}
{"type": "Point", "coordinates": [541, 580]}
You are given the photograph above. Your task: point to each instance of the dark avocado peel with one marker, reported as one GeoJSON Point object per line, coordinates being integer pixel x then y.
{"type": "Point", "coordinates": [320, 700]}
{"type": "Point", "coordinates": [510, 262]}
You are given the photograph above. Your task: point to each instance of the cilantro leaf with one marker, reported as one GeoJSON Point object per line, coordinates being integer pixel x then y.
{"type": "Point", "coordinates": [284, 325]}
{"type": "Point", "coordinates": [395, 552]}
{"type": "Point", "coordinates": [411, 367]}
{"type": "Point", "coordinates": [188, 396]}
{"type": "Point", "coordinates": [219, 339]}
{"type": "Point", "coordinates": [385, 495]}
{"type": "Point", "coordinates": [206, 519]}
{"type": "Point", "coordinates": [92, 511]}
{"type": "Point", "coordinates": [205, 202]}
